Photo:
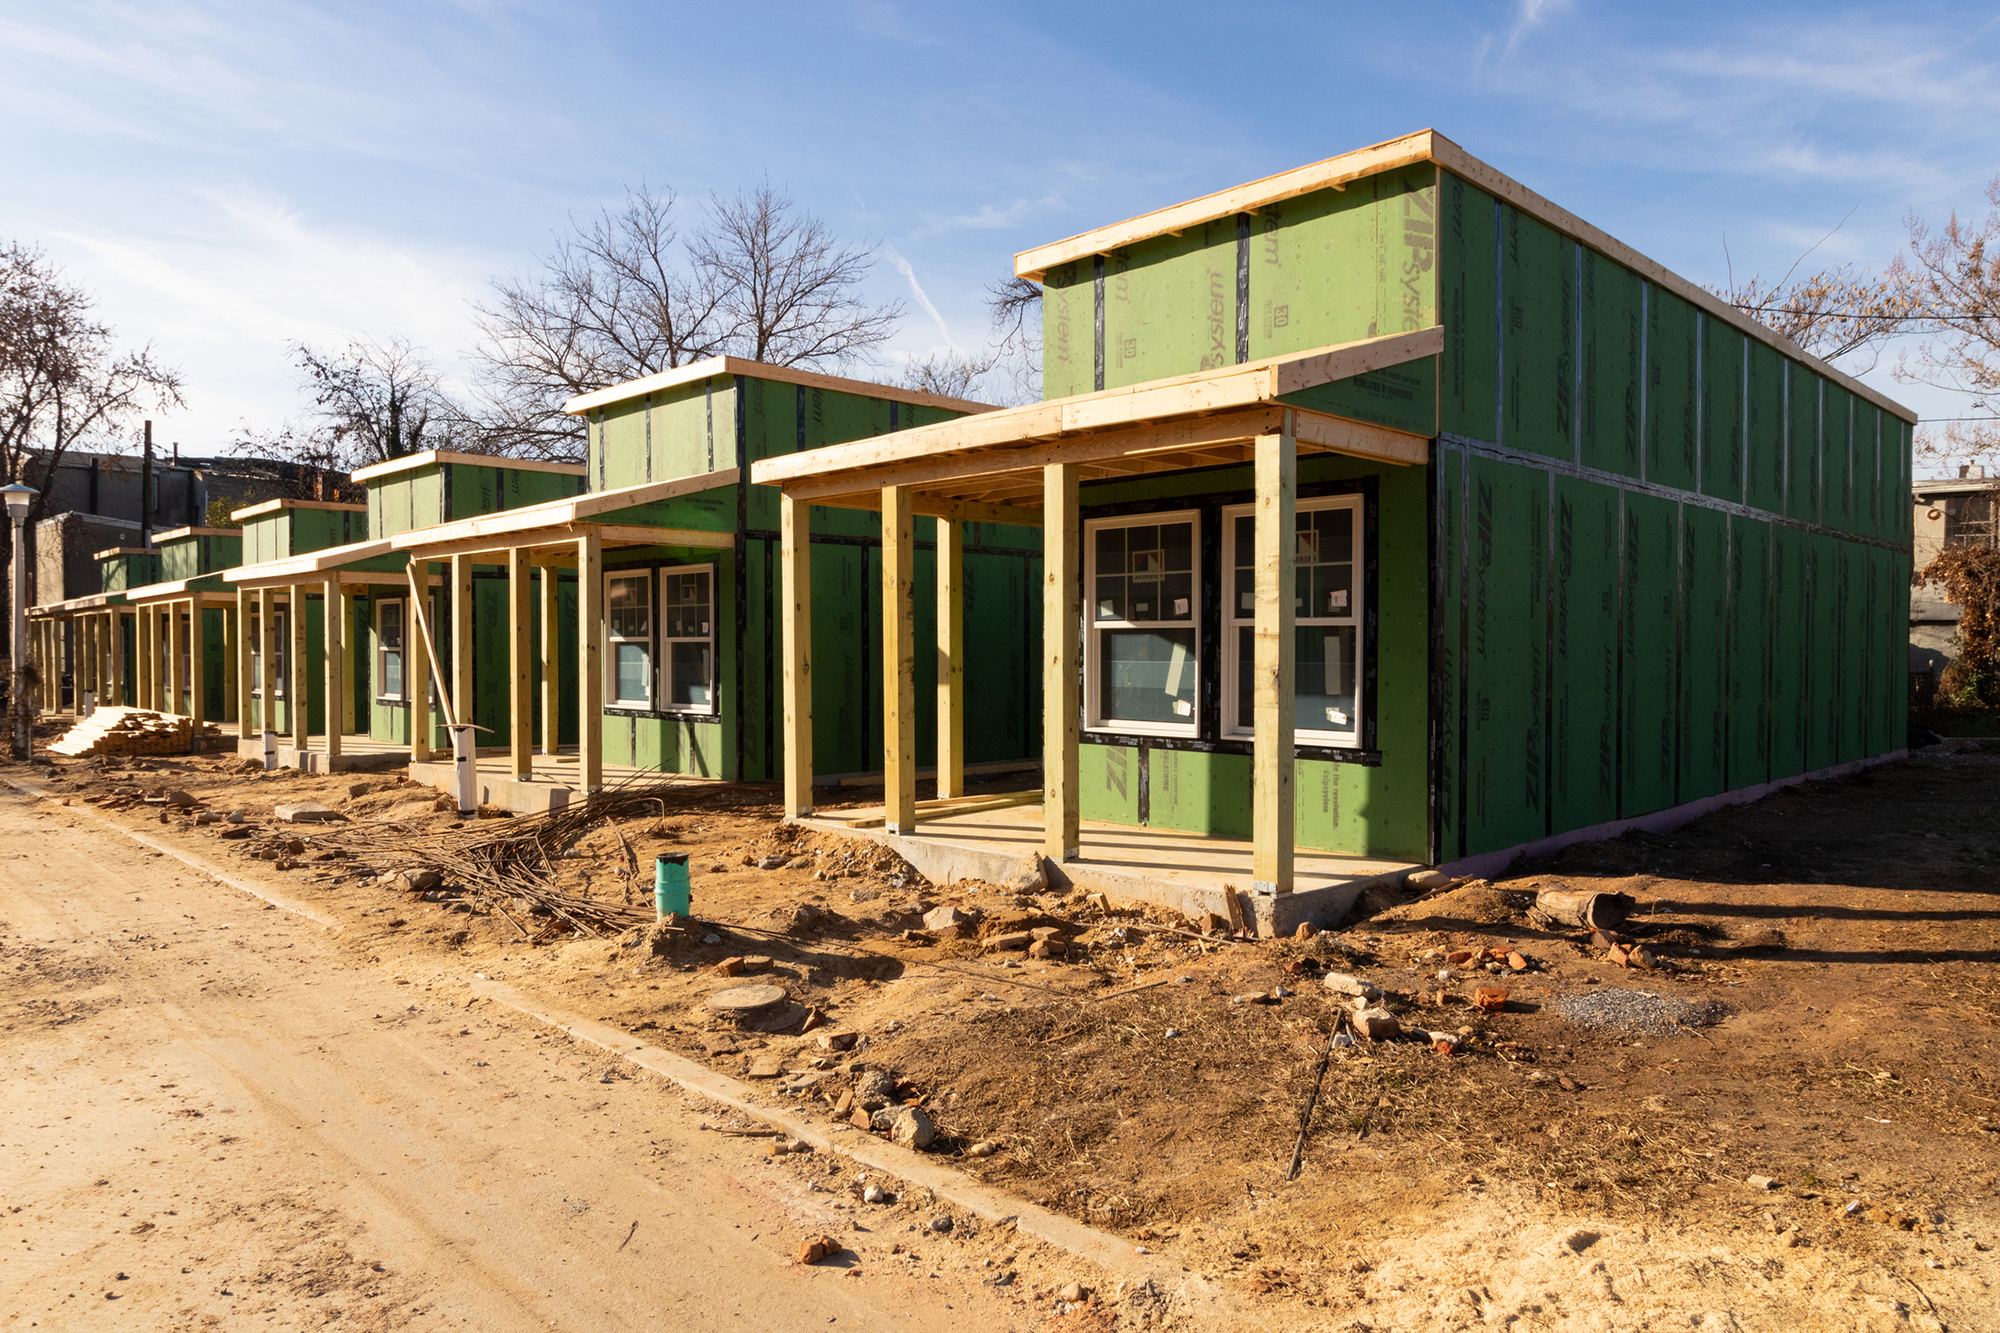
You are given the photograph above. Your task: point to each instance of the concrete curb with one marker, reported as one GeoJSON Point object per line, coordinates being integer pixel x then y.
{"type": "Point", "coordinates": [1107, 1251]}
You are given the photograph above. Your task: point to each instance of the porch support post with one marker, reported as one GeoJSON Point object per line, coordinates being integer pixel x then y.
{"type": "Point", "coordinates": [1062, 542]}
{"type": "Point", "coordinates": [232, 652]}
{"type": "Point", "coordinates": [267, 661]}
{"type": "Point", "coordinates": [246, 684]}
{"type": "Point", "coordinates": [1271, 808]}
{"type": "Point", "coordinates": [176, 673]}
{"type": "Point", "coordinates": [417, 663]}
{"type": "Point", "coordinates": [143, 624]}
{"type": "Point", "coordinates": [551, 673]}
{"type": "Point", "coordinates": [899, 662]}
{"type": "Point", "coordinates": [795, 565]}
{"type": "Point", "coordinates": [590, 660]}
{"type": "Point", "coordinates": [521, 661]}
{"type": "Point", "coordinates": [117, 657]}
{"type": "Point", "coordinates": [950, 658]}
{"type": "Point", "coordinates": [333, 639]}
{"type": "Point", "coordinates": [197, 671]}
{"type": "Point", "coordinates": [461, 640]}
{"type": "Point", "coordinates": [298, 693]}
{"type": "Point", "coordinates": [348, 679]}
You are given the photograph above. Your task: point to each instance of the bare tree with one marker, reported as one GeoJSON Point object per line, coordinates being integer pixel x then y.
{"type": "Point", "coordinates": [625, 295]}
{"type": "Point", "coordinates": [1016, 306]}
{"type": "Point", "coordinates": [1954, 274]}
{"type": "Point", "coordinates": [614, 301]}
{"type": "Point", "coordinates": [1834, 313]}
{"type": "Point", "coordinates": [62, 381]}
{"type": "Point", "coordinates": [952, 374]}
{"type": "Point", "coordinates": [788, 288]}
{"type": "Point", "coordinates": [372, 401]}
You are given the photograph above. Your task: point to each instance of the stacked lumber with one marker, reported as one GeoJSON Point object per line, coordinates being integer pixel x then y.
{"type": "Point", "coordinates": [130, 731]}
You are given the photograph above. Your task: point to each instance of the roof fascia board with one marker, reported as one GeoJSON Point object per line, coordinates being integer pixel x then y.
{"type": "Point", "coordinates": [717, 366]}
{"type": "Point", "coordinates": [432, 456]}
{"type": "Point", "coordinates": [312, 562]}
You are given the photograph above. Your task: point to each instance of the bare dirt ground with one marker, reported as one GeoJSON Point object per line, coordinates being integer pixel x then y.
{"type": "Point", "coordinates": [1825, 966]}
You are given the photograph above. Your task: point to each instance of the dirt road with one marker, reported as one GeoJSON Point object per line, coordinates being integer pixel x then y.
{"type": "Point", "coordinates": [217, 1118]}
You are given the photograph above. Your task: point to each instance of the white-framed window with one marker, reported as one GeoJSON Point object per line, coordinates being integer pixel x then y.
{"type": "Point", "coordinates": [687, 638]}
{"type": "Point", "coordinates": [628, 627]}
{"type": "Point", "coordinates": [1142, 640]}
{"type": "Point", "coordinates": [1326, 617]}
{"type": "Point", "coordinates": [391, 680]}
{"type": "Point", "coordinates": [278, 646]}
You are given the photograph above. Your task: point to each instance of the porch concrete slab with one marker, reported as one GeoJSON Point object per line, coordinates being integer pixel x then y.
{"type": "Point", "coordinates": [358, 754]}
{"type": "Point", "coordinates": [552, 785]}
{"type": "Point", "coordinates": [1188, 872]}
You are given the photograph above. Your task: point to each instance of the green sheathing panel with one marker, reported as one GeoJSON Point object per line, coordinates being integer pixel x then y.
{"type": "Point", "coordinates": [1791, 613]}
{"type": "Point", "coordinates": [1766, 446]}
{"type": "Point", "coordinates": [1400, 397]}
{"type": "Point", "coordinates": [1836, 451]}
{"type": "Point", "coordinates": [1170, 305]}
{"type": "Point", "coordinates": [405, 500]}
{"type": "Point", "coordinates": [1750, 659]}
{"type": "Point", "coordinates": [1651, 577]}
{"type": "Point", "coordinates": [1704, 653]}
{"type": "Point", "coordinates": [219, 553]}
{"type": "Point", "coordinates": [1538, 337]}
{"type": "Point", "coordinates": [622, 443]}
{"type": "Point", "coordinates": [1722, 409]}
{"type": "Point", "coordinates": [1612, 304]}
{"type": "Point", "coordinates": [180, 559]}
{"type": "Point", "coordinates": [1583, 715]}
{"type": "Point", "coordinates": [266, 537]}
{"type": "Point", "coordinates": [1306, 254]}
{"type": "Point", "coordinates": [1670, 389]}
{"type": "Point", "coordinates": [1801, 443]}
{"type": "Point", "coordinates": [1505, 651]}
{"type": "Point", "coordinates": [1108, 783]}
{"type": "Point", "coordinates": [1888, 577]}
{"type": "Point", "coordinates": [1853, 697]}
{"type": "Point", "coordinates": [1069, 315]}
{"type": "Point", "coordinates": [1447, 605]}
{"type": "Point", "coordinates": [1470, 397]}
{"type": "Point", "coordinates": [322, 529]}
{"type": "Point", "coordinates": [1823, 703]}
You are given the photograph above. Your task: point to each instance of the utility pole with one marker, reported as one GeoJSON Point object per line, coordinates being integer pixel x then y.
{"type": "Point", "coordinates": [146, 491]}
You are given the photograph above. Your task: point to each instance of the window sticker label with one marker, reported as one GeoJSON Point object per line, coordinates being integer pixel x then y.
{"type": "Point", "coordinates": [1184, 708]}
{"type": "Point", "coordinates": [1336, 599]}
{"type": "Point", "coordinates": [1176, 669]}
{"type": "Point", "coordinates": [1180, 606]}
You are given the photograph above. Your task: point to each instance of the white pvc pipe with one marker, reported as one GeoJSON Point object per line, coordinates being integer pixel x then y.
{"type": "Point", "coordinates": [466, 767]}
{"type": "Point", "coordinates": [270, 750]}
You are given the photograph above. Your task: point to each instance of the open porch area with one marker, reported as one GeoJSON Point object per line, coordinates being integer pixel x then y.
{"type": "Point", "coordinates": [1027, 466]}
{"type": "Point", "coordinates": [1185, 871]}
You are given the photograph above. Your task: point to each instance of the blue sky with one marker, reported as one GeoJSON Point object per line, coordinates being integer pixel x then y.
{"type": "Point", "coordinates": [232, 177]}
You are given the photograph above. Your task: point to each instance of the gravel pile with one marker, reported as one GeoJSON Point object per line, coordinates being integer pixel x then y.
{"type": "Point", "coordinates": [1636, 1011]}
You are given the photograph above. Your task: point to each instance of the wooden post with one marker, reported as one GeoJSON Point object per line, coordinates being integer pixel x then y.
{"type": "Point", "coordinates": [417, 664]}
{"type": "Point", "coordinates": [142, 658]}
{"type": "Point", "coordinates": [349, 680]}
{"type": "Point", "coordinates": [521, 663]}
{"type": "Point", "coordinates": [1272, 707]}
{"type": "Point", "coordinates": [267, 662]}
{"type": "Point", "coordinates": [950, 658]}
{"type": "Point", "coordinates": [118, 657]}
{"type": "Point", "coordinates": [176, 684]}
{"type": "Point", "coordinates": [333, 639]}
{"type": "Point", "coordinates": [246, 684]}
{"type": "Point", "coordinates": [551, 672]}
{"type": "Point", "coordinates": [197, 665]}
{"type": "Point", "coordinates": [899, 663]}
{"type": "Point", "coordinates": [462, 705]}
{"type": "Point", "coordinates": [590, 660]}
{"type": "Point", "coordinates": [298, 693]}
{"type": "Point", "coordinates": [1062, 542]}
{"type": "Point", "coordinates": [232, 675]}
{"type": "Point", "coordinates": [795, 566]}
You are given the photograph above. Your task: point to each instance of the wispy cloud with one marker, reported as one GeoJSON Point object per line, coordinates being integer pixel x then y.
{"type": "Point", "coordinates": [1531, 15]}
{"type": "Point", "coordinates": [917, 289]}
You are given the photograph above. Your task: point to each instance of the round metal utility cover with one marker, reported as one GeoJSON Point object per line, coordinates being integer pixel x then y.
{"type": "Point", "coordinates": [746, 999]}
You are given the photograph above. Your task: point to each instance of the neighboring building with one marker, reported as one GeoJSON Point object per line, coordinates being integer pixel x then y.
{"type": "Point", "coordinates": [1412, 517]}
{"type": "Point", "coordinates": [1964, 509]}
